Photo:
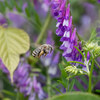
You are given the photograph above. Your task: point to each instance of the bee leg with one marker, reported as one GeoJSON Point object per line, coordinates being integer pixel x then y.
{"type": "Point", "coordinates": [46, 54]}
{"type": "Point", "coordinates": [41, 53]}
{"type": "Point", "coordinates": [51, 50]}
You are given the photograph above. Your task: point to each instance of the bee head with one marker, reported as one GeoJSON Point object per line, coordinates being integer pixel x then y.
{"type": "Point", "coordinates": [50, 48]}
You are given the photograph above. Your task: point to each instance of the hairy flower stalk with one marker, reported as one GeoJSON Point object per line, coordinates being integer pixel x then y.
{"type": "Point", "coordinates": [66, 30]}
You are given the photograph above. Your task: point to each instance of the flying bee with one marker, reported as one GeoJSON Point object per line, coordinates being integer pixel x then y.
{"type": "Point", "coordinates": [42, 50]}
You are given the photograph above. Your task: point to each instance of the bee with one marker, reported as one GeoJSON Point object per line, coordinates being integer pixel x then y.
{"type": "Point", "coordinates": [42, 50]}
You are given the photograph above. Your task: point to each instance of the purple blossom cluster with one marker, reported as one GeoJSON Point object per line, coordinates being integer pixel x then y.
{"type": "Point", "coordinates": [66, 30]}
{"type": "Point", "coordinates": [43, 5]}
{"type": "Point", "coordinates": [26, 84]}
{"type": "Point", "coordinates": [2, 19]}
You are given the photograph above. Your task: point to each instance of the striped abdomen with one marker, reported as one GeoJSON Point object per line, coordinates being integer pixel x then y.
{"type": "Point", "coordinates": [36, 52]}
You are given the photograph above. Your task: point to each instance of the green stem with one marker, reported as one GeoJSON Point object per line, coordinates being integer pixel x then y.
{"type": "Point", "coordinates": [44, 28]}
{"type": "Point", "coordinates": [90, 77]}
{"type": "Point", "coordinates": [8, 93]}
{"type": "Point", "coordinates": [76, 62]}
{"type": "Point", "coordinates": [17, 97]}
{"type": "Point", "coordinates": [87, 65]}
{"type": "Point", "coordinates": [67, 85]}
{"type": "Point", "coordinates": [1, 96]}
{"type": "Point", "coordinates": [79, 38]}
{"type": "Point", "coordinates": [48, 83]}
{"type": "Point", "coordinates": [96, 63]}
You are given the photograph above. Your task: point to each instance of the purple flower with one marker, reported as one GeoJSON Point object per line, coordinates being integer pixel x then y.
{"type": "Point", "coordinates": [24, 82]}
{"type": "Point", "coordinates": [2, 19]}
{"type": "Point", "coordinates": [16, 19]}
{"type": "Point", "coordinates": [98, 29]}
{"type": "Point", "coordinates": [2, 66]}
{"type": "Point", "coordinates": [24, 6]}
{"type": "Point", "coordinates": [38, 90]}
{"type": "Point", "coordinates": [88, 19]}
{"type": "Point", "coordinates": [93, 13]}
{"type": "Point", "coordinates": [86, 22]}
{"type": "Point", "coordinates": [66, 30]}
{"type": "Point", "coordinates": [54, 64]}
{"type": "Point", "coordinates": [98, 1]}
{"type": "Point", "coordinates": [43, 5]}
{"type": "Point", "coordinates": [97, 86]}
{"type": "Point", "coordinates": [51, 61]}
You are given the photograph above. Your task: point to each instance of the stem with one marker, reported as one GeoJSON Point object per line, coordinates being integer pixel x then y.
{"type": "Point", "coordinates": [48, 83]}
{"type": "Point", "coordinates": [76, 62]}
{"type": "Point", "coordinates": [44, 28]}
{"type": "Point", "coordinates": [17, 98]}
{"type": "Point", "coordinates": [1, 96]}
{"type": "Point", "coordinates": [79, 38]}
{"type": "Point", "coordinates": [96, 63]}
{"type": "Point", "coordinates": [90, 77]}
{"type": "Point", "coordinates": [67, 85]}
{"type": "Point", "coordinates": [87, 65]}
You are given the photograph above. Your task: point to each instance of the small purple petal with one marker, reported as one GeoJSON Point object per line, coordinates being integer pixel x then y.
{"type": "Point", "coordinates": [73, 35]}
{"type": "Point", "coordinates": [17, 19]}
{"type": "Point", "coordinates": [2, 20]}
{"type": "Point", "coordinates": [67, 11]}
{"type": "Point", "coordinates": [98, 1]}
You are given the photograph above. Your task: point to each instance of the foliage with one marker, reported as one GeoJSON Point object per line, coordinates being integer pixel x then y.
{"type": "Point", "coordinates": [74, 70]}
{"type": "Point", "coordinates": [81, 74]}
{"type": "Point", "coordinates": [13, 42]}
{"type": "Point", "coordinates": [75, 96]}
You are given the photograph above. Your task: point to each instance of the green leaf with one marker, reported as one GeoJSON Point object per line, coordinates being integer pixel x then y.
{"type": "Point", "coordinates": [27, 12]}
{"type": "Point", "coordinates": [79, 85]}
{"type": "Point", "coordinates": [2, 7]}
{"type": "Point", "coordinates": [96, 64]}
{"type": "Point", "coordinates": [61, 67]}
{"type": "Point", "coordinates": [57, 89]}
{"type": "Point", "coordinates": [98, 91]}
{"type": "Point", "coordinates": [76, 62]}
{"type": "Point", "coordinates": [97, 51]}
{"type": "Point", "coordinates": [93, 48]}
{"type": "Point", "coordinates": [90, 46]}
{"type": "Point", "coordinates": [7, 4]}
{"type": "Point", "coordinates": [65, 61]}
{"type": "Point", "coordinates": [71, 85]}
{"type": "Point", "coordinates": [84, 79]}
{"type": "Point", "coordinates": [37, 18]}
{"type": "Point", "coordinates": [74, 70]}
{"type": "Point", "coordinates": [21, 96]}
{"type": "Point", "coordinates": [19, 9]}
{"type": "Point", "coordinates": [6, 99]}
{"type": "Point", "coordinates": [93, 35]}
{"type": "Point", "coordinates": [63, 73]}
{"type": "Point", "coordinates": [75, 96]}
{"type": "Point", "coordinates": [13, 42]}
{"type": "Point", "coordinates": [80, 51]}
{"type": "Point", "coordinates": [63, 80]}
{"type": "Point", "coordinates": [8, 93]}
